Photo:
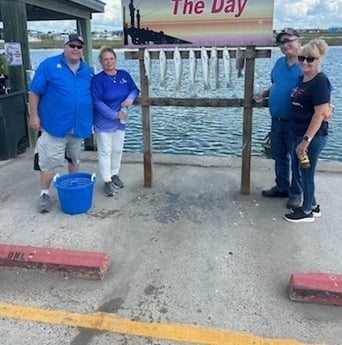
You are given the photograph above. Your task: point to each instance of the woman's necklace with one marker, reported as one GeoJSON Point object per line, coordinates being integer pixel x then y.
{"type": "Point", "coordinates": [112, 77]}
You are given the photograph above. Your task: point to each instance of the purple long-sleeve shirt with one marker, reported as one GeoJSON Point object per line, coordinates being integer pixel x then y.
{"type": "Point", "coordinates": [109, 92]}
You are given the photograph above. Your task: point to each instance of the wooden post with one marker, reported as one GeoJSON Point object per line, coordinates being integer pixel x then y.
{"type": "Point", "coordinates": [146, 123]}
{"type": "Point", "coordinates": [247, 120]}
{"type": "Point", "coordinates": [84, 29]}
{"type": "Point", "coordinates": [14, 20]}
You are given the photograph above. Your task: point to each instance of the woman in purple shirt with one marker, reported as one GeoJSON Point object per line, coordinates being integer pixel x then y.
{"type": "Point", "coordinates": [113, 91]}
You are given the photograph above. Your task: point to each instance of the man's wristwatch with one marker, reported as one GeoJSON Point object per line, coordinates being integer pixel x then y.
{"type": "Point", "coordinates": [307, 138]}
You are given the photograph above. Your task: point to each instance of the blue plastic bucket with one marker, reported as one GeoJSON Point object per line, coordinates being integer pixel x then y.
{"type": "Point", "coordinates": [75, 191]}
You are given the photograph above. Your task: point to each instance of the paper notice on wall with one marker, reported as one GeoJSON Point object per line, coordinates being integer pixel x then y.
{"type": "Point", "coordinates": [13, 53]}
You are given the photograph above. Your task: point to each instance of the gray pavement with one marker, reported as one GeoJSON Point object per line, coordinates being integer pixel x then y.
{"type": "Point", "coordinates": [191, 250]}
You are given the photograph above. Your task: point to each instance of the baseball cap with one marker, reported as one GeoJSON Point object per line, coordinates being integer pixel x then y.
{"type": "Point", "coordinates": [73, 37]}
{"type": "Point", "coordinates": [287, 31]}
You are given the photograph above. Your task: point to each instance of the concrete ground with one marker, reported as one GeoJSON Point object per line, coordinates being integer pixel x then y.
{"type": "Point", "coordinates": [190, 250]}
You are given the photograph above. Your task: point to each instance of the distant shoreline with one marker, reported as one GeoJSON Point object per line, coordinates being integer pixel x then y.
{"type": "Point", "coordinates": [51, 44]}
{"type": "Point", "coordinates": [332, 39]}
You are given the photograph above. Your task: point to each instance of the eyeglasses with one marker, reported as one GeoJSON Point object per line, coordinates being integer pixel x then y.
{"type": "Point", "coordinates": [287, 40]}
{"type": "Point", "coordinates": [309, 59]}
{"type": "Point", "coordinates": [73, 46]}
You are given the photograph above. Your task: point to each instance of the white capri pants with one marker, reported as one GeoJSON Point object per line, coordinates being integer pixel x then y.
{"type": "Point", "coordinates": [109, 151]}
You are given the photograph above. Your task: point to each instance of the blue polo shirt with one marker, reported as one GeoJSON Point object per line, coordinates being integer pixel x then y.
{"type": "Point", "coordinates": [65, 102]}
{"type": "Point", "coordinates": [284, 79]}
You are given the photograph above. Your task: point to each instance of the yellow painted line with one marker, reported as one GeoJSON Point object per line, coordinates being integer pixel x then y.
{"type": "Point", "coordinates": [111, 323]}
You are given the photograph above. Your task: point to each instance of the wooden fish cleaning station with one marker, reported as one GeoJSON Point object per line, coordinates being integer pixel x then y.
{"type": "Point", "coordinates": [250, 54]}
{"type": "Point", "coordinates": [15, 135]}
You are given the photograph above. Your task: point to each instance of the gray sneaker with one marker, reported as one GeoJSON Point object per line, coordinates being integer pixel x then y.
{"type": "Point", "coordinates": [294, 202]}
{"type": "Point", "coordinates": [44, 203]}
{"type": "Point", "coordinates": [117, 183]}
{"type": "Point", "coordinates": [108, 189]}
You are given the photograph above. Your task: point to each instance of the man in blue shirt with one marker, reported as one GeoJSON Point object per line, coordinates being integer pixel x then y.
{"type": "Point", "coordinates": [284, 77]}
{"type": "Point", "coordinates": [61, 107]}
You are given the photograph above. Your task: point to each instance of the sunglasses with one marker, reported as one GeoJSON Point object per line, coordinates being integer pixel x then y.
{"type": "Point", "coordinates": [287, 40]}
{"type": "Point", "coordinates": [73, 46]}
{"type": "Point", "coordinates": [309, 59]}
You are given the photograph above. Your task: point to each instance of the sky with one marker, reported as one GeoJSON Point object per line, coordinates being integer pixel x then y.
{"type": "Point", "coordinates": [300, 14]}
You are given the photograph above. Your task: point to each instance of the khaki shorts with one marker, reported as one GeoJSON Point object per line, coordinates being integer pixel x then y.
{"type": "Point", "coordinates": [52, 151]}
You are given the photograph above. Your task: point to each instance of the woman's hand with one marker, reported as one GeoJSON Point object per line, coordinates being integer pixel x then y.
{"type": "Point", "coordinates": [127, 102]}
{"type": "Point", "coordinates": [302, 148]}
{"type": "Point", "coordinates": [122, 115]}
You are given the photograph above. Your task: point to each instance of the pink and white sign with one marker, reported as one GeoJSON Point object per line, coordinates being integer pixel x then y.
{"type": "Point", "coordinates": [197, 22]}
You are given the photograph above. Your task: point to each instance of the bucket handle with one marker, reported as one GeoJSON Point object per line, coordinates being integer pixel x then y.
{"type": "Point", "coordinates": [55, 177]}
{"type": "Point", "coordinates": [93, 177]}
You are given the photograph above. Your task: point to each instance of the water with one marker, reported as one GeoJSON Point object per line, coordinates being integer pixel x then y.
{"type": "Point", "coordinates": [210, 131]}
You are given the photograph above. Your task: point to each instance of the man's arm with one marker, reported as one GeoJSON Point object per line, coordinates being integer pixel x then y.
{"type": "Point", "coordinates": [34, 116]}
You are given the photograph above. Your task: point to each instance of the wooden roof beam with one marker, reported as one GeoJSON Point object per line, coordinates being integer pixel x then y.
{"type": "Point", "coordinates": [89, 5]}
{"type": "Point", "coordinates": [58, 10]}
{"type": "Point", "coordinates": [43, 14]}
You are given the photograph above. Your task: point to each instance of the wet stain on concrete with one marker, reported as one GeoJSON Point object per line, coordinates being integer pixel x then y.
{"type": "Point", "coordinates": [4, 196]}
{"type": "Point", "coordinates": [103, 214]}
{"type": "Point", "coordinates": [151, 305]}
{"type": "Point", "coordinates": [172, 198]}
{"type": "Point", "coordinates": [174, 206]}
{"type": "Point", "coordinates": [86, 335]}
{"type": "Point", "coordinates": [171, 207]}
{"type": "Point", "coordinates": [112, 306]}
{"type": "Point", "coordinates": [163, 310]}
{"type": "Point", "coordinates": [150, 290]}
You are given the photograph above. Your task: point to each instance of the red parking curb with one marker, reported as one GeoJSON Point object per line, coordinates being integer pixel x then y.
{"type": "Point", "coordinates": [321, 288]}
{"type": "Point", "coordinates": [74, 263]}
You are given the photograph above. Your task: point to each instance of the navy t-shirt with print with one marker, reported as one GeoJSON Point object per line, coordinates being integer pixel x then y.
{"type": "Point", "coordinates": [304, 97]}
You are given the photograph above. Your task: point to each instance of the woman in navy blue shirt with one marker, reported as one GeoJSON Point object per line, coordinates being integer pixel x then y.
{"type": "Point", "coordinates": [310, 107]}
